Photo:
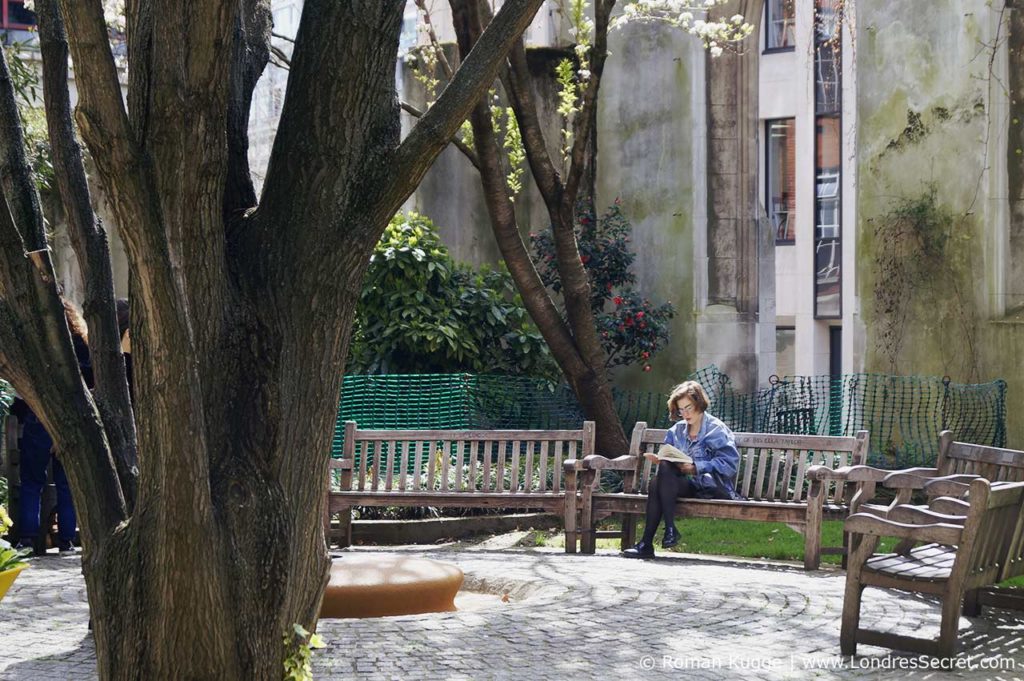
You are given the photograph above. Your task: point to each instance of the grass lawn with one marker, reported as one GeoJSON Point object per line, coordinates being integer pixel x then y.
{"type": "Point", "coordinates": [745, 539]}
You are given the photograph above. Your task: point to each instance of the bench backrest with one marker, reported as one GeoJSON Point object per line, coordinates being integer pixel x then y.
{"type": "Point", "coordinates": [992, 530]}
{"type": "Point", "coordinates": [510, 461]}
{"type": "Point", "coordinates": [772, 467]}
{"type": "Point", "coordinates": [991, 463]}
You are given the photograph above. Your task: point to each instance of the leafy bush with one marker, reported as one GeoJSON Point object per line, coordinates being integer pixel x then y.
{"type": "Point", "coordinates": [422, 312]}
{"type": "Point", "coordinates": [632, 328]}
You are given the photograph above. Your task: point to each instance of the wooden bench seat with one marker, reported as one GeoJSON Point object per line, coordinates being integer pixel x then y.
{"type": "Point", "coordinates": [520, 469]}
{"type": "Point", "coordinates": [772, 479]}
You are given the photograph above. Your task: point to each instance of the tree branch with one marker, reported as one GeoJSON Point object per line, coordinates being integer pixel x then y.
{"type": "Point", "coordinates": [37, 355]}
{"type": "Point", "coordinates": [470, 82]}
{"type": "Point", "coordinates": [16, 179]}
{"type": "Point", "coordinates": [503, 217]}
{"type": "Point", "coordinates": [459, 144]}
{"type": "Point", "coordinates": [516, 80]}
{"type": "Point", "coordinates": [586, 117]}
{"type": "Point", "coordinates": [89, 241]}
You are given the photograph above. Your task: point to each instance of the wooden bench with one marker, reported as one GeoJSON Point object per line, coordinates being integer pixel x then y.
{"type": "Point", "coordinates": [772, 479]}
{"type": "Point", "coordinates": [955, 460]}
{"type": "Point", "coordinates": [949, 549]}
{"type": "Point", "coordinates": [451, 468]}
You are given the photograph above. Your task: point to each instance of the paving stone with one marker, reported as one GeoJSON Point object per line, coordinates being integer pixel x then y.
{"type": "Point", "coordinates": [580, 616]}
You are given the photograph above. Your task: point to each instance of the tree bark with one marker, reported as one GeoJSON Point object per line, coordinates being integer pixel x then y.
{"type": "Point", "coordinates": [573, 341]}
{"type": "Point", "coordinates": [241, 313]}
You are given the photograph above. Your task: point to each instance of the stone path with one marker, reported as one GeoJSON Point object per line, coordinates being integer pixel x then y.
{"type": "Point", "coordinates": [571, 616]}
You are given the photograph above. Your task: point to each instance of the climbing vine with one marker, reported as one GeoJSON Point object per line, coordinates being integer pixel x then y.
{"type": "Point", "coordinates": [922, 254]}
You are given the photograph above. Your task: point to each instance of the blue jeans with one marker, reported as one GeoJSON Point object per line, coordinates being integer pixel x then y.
{"type": "Point", "coordinates": [35, 446]}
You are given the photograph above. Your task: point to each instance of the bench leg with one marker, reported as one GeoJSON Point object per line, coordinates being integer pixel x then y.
{"type": "Point", "coordinates": [812, 530]}
{"type": "Point", "coordinates": [345, 528]}
{"type": "Point", "coordinates": [851, 617]}
{"type": "Point", "coordinates": [569, 518]}
{"type": "Point", "coordinates": [628, 531]}
{"type": "Point", "coordinates": [588, 543]}
{"type": "Point", "coordinates": [950, 625]}
{"type": "Point", "coordinates": [972, 606]}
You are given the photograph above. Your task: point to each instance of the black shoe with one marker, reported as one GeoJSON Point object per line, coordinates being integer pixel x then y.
{"type": "Point", "coordinates": [65, 547]}
{"type": "Point", "coordinates": [642, 549]}
{"type": "Point", "coordinates": [671, 537]}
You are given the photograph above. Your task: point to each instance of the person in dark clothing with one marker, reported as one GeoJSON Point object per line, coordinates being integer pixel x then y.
{"type": "Point", "coordinates": [36, 451]}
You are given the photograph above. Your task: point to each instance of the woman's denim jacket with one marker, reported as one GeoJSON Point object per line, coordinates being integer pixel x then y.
{"type": "Point", "coordinates": [714, 454]}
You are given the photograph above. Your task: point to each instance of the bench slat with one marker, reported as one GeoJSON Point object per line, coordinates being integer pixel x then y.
{"type": "Point", "coordinates": [786, 492]}
{"type": "Point", "coordinates": [528, 480]}
{"type": "Point", "coordinates": [446, 458]}
{"type": "Point", "coordinates": [748, 471]}
{"type": "Point", "coordinates": [801, 468]}
{"type": "Point", "coordinates": [543, 466]}
{"type": "Point", "coordinates": [485, 484]}
{"type": "Point", "coordinates": [513, 486]}
{"type": "Point", "coordinates": [556, 483]}
{"type": "Point", "coordinates": [431, 464]}
{"type": "Point", "coordinates": [417, 466]}
{"type": "Point", "coordinates": [773, 477]}
{"type": "Point", "coordinates": [758, 491]}
{"type": "Point", "coordinates": [472, 465]}
{"type": "Point", "coordinates": [362, 466]}
{"type": "Point", "coordinates": [499, 482]}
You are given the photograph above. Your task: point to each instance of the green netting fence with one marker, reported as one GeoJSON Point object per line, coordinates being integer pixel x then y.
{"type": "Point", "coordinates": [903, 414]}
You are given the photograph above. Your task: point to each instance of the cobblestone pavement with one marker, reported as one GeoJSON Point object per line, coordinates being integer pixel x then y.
{"type": "Point", "coordinates": [600, 617]}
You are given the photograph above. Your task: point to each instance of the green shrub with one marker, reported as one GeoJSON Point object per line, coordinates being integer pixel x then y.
{"type": "Point", "coordinates": [420, 311]}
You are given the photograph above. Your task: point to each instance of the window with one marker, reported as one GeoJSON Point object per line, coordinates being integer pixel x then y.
{"type": "Point", "coordinates": [828, 166]}
{"type": "Point", "coordinates": [14, 15]}
{"type": "Point", "coordinates": [785, 351]}
{"type": "Point", "coordinates": [780, 23]}
{"type": "Point", "coordinates": [781, 178]}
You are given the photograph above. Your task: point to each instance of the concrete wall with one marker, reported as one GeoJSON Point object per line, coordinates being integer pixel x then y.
{"type": "Point", "coordinates": [932, 112]}
{"type": "Point", "coordinates": [652, 156]}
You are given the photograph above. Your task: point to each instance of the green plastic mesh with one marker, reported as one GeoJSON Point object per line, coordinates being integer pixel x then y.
{"type": "Point", "coordinates": [903, 414]}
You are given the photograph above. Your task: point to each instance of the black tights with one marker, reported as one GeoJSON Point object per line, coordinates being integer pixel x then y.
{"type": "Point", "coordinates": [667, 486]}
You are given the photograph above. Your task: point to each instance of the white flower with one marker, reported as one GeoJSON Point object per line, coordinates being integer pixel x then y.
{"type": "Point", "coordinates": [737, 18]}
{"type": "Point", "coordinates": [716, 51]}
{"type": "Point", "coordinates": [709, 3]}
{"type": "Point", "coordinates": [686, 17]}
{"type": "Point", "coordinates": [584, 74]}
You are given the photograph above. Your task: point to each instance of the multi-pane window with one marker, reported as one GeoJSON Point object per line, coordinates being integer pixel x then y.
{"type": "Point", "coordinates": [828, 147]}
{"type": "Point", "coordinates": [781, 184]}
{"type": "Point", "coordinates": [14, 15]}
{"type": "Point", "coordinates": [780, 23]}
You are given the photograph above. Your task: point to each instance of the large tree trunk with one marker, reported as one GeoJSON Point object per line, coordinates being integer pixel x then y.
{"type": "Point", "coordinates": [204, 547]}
{"type": "Point", "coordinates": [573, 340]}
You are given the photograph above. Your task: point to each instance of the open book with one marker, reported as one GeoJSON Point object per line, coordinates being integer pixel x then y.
{"type": "Point", "coordinates": [673, 454]}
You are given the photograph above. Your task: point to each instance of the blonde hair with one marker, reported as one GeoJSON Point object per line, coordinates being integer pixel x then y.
{"type": "Point", "coordinates": [693, 390]}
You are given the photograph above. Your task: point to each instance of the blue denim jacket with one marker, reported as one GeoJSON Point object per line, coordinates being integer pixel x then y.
{"type": "Point", "coordinates": [714, 453]}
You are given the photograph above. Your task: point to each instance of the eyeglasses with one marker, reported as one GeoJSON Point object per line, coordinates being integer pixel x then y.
{"type": "Point", "coordinates": [685, 411]}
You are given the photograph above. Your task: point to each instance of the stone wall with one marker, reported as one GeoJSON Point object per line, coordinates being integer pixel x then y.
{"type": "Point", "coordinates": [932, 225]}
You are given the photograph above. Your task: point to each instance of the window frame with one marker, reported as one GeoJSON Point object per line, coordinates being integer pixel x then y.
{"type": "Point", "coordinates": [768, 28]}
{"type": "Point", "coordinates": [5, 23]}
{"type": "Point", "coordinates": [768, 181]}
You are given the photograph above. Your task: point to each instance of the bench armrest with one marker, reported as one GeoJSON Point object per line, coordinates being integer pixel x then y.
{"type": "Point", "coordinates": [949, 485]}
{"type": "Point", "coordinates": [919, 478]}
{"type": "Point", "coordinates": [919, 515]}
{"type": "Point", "coordinates": [596, 462]}
{"type": "Point", "coordinates": [341, 464]}
{"type": "Point", "coordinates": [940, 533]}
{"type": "Point", "coordinates": [846, 473]}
